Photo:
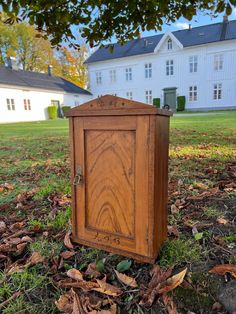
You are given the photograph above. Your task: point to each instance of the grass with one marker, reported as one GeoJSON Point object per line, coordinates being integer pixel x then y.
{"type": "Point", "coordinates": [35, 161]}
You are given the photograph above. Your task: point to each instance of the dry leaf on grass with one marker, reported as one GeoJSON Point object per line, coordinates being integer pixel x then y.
{"type": "Point", "coordinates": [129, 281]}
{"type": "Point", "coordinates": [74, 274]}
{"type": "Point", "coordinates": [107, 288]}
{"type": "Point", "coordinates": [3, 227]}
{"type": "Point", "coordinates": [223, 269]}
{"type": "Point", "coordinates": [173, 282]}
{"type": "Point", "coordinates": [77, 306]}
{"type": "Point", "coordinates": [67, 254]}
{"type": "Point", "coordinates": [85, 285]}
{"type": "Point", "coordinates": [112, 310]}
{"type": "Point", "coordinates": [222, 221]}
{"type": "Point", "coordinates": [35, 258]}
{"type": "Point", "coordinates": [67, 241]}
{"type": "Point", "coordinates": [170, 305]}
{"type": "Point", "coordinates": [65, 303]}
{"type": "Point", "coordinates": [173, 230]}
{"type": "Point", "coordinates": [92, 271]}
{"type": "Point", "coordinates": [20, 247]}
{"type": "Point", "coordinates": [174, 209]}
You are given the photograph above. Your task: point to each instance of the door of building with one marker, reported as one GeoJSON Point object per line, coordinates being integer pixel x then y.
{"type": "Point", "coordinates": [170, 97]}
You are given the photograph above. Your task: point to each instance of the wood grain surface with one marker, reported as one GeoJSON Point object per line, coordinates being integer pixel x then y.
{"type": "Point", "coordinates": [109, 181]}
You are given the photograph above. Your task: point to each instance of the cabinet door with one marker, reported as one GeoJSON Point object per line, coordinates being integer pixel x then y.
{"type": "Point", "coordinates": [111, 201]}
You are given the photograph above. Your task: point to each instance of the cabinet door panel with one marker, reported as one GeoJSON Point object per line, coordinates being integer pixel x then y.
{"type": "Point", "coordinates": [111, 207]}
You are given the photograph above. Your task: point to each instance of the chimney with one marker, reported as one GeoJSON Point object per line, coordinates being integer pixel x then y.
{"type": "Point", "coordinates": [12, 63]}
{"type": "Point", "coordinates": [189, 27]}
{"type": "Point", "coordinates": [50, 70]}
{"type": "Point", "coordinates": [225, 18]}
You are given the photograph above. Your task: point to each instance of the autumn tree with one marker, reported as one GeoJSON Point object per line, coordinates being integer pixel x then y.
{"type": "Point", "coordinates": [72, 65]}
{"type": "Point", "coordinates": [100, 21]}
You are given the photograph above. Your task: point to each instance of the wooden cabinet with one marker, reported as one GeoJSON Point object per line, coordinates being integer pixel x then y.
{"type": "Point", "coordinates": [119, 152]}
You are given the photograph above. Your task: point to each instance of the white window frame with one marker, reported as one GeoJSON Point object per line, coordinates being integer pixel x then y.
{"type": "Point", "coordinates": [129, 95]}
{"type": "Point", "coordinates": [10, 104]}
{"type": "Point", "coordinates": [192, 93]}
{"type": "Point", "coordinates": [148, 96]}
{"type": "Point", "coordinates": [98, 78]}
{"type": "Point", "coordinates": [113, 76]}
{"type": "Point", "coordinates": [128, 74]}
{"type": "Point", "coordinates": [193, 64]}
{"type": "Point", "coordinates": [148, 70]}
{"type": "Point", "coordinates": [169, 44]}
{"type": "Point", "coordinates": [170, 67]}
{"type": "Point", "coordinates": [217, 91]}
{"type": "Point", "coordinates": [218, 62]}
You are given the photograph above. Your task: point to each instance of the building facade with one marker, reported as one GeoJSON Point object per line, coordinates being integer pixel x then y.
{"type": "Point", "coordinates": [25, 95]}
{"type": "Point", "coordinates": [198, 63]}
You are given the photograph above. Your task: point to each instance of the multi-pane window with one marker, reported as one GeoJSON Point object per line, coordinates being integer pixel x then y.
{"type": "Point", "coordinates": [193, 93]}
{"type": "Point", "coordinates": [169, 67]}
{"type": "Point", "coordinates": [148, 70]}
{"type": "Point", "coordinates": [99, 78]}
{"type": "Point", "coordinates": [193, 64]}
{"type": "Point", "coordinates": [148, 96]}
{"type": "Point", "coordinates": [169, 44]}
{"type": "Point", "coordinates": [11, 104]}
{"type": "Point", "coordinates": [218, 62]}
{"type": "Point", "coordinates": [129, 95]}
{"type": "Point", "coordinates": [27, 104]}
{"type": "Point", "coordinates": [128, 74]}
{"type": "Point", "coordinates": [113, 76]}
{"type": "Point", "coordinates": [217, 91]}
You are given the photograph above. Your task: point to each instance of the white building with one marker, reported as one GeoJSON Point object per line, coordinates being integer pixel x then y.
{"type": "Point", "coordinates": [25, 95]}
{"type": "Point", "coordinates": [198, 63]}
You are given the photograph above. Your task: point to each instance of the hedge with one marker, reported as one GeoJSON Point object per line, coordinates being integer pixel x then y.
{"type": "Point", "coordinates": [157, 102]}
{"type": "Point", "coordinates": [181, 103]}
{"type": "Point", "coordinates": [65, 109]}
{"type": "Point", "coordinates": [52, 112]}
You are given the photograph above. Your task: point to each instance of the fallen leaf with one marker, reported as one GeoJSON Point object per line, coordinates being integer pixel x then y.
{"type": "Point", "coordinates": [64, 304]}
{"type": "Point", "coordinates": [174, 209]}
{"type": "Point", "coordinates": [112, 310]}
{"type": "Point", "coordinates": [84, 285]}
{"type": "Point", "coordinates": [17, 225]}
{"type": "Point", "coordinates": [20, 247]}
{"type": "Point", "coordinates": [26, 239]}
{"type": "Point", "coordinates": [173, 230]}
{"type": "Point", "coordinates": [169, 304]}
{"type": "Point", "coordinates": [129, 281]}
{"type": "Point", "coordinates": [173, 282]}
{"type": "Point", "coordinates": [8, 186]}
{"type": "Point", "coordinates": [67, 241]}
{"type": "Point", "coordinates": [74, 274]}
{"type": "Point", "coordinates": [3, 226]}
{"type": "Point", "coordinates": [92, 270]}
{"type": "Point", "coordinates": [67, 254]}
{"type": "Point", "coordinates": [223, 269]}
{"type": "Point", "coordinates": [34, 259]}
{"type": "Point", "coordinates": [222, 221]}
{"type": "Point", "coordinates": [123, 265]}
{"type": "Point", "coordinates": [77, 307]}
{"type": "Point", "coordinates": [107, 288]}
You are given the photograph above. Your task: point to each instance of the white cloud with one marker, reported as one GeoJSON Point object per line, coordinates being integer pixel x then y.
{"type": "Point", "coordinates": [181, 25]}
{"type": "Point", "coordinates": [234, 11]}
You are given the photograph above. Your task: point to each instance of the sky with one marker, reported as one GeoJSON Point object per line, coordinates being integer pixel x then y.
{"type": "Point", "coordinates": [198, 20]}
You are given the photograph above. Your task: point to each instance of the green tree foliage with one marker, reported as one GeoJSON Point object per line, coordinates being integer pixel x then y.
{"type": "Point", "coordinates": [101, 20]}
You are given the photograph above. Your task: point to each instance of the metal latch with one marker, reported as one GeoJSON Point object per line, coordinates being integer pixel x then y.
{"type": "Point", "coordinates": [78, 176]}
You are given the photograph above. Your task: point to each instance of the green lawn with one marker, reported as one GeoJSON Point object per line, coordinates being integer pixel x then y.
{"type": "Point", "coordinates": [202, 171]}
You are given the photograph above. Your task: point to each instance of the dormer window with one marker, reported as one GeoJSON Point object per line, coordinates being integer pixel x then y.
{"type": "Point", "coordinates": [169, 44]}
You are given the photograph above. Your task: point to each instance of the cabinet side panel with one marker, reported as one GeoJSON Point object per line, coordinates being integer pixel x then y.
{"type": "Point", "coordinates": [161, 180]}
{"type": "Point", "coordinates": [72, 163]}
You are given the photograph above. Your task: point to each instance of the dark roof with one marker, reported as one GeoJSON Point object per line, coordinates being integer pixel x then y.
{"type": "Point", "coordinates": [38, 80]}
{"type": "Point", "coordinates": [188, 37]}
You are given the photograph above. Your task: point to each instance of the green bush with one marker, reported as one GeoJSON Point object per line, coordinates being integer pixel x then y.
{"type": "Point", "coordinates": [181, 103]}
{"type": "Point", "coordinates": [157, 102]}
{"type": "Point", "coordinates": [65, 109]}
{"type": "Point", "coordinates": [52, 112]}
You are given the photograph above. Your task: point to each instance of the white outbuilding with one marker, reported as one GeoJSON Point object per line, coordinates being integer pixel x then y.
{"type": "Point", "coordinates": [26, 95]}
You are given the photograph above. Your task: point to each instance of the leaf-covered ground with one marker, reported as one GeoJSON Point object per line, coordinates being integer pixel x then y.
{"type": "Point", "coordinates": [43, 272]}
